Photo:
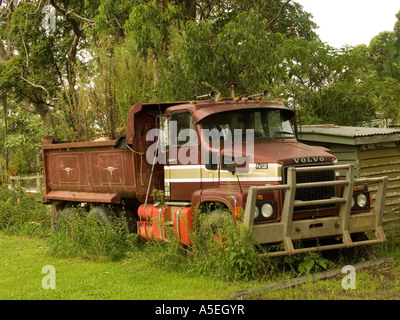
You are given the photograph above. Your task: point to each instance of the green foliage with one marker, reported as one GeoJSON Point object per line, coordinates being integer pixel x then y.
{"type": "Point", "coordinates": [158, 196]}
{"type": "Point", "coordinates": [83, 236]}
{"type": "Point", "coordinates": [220, 251]}
{"type": "Point", "coordinates": [146, 51]}
{"type": "Point", "coordinates": [314, 263]}
{"type": "Point", "coordinates": [22, 140]}
{"type": "Point", "coordinates": [242, 50]}
{"type": "Point", "coordinates": [230, 253]}
{"type": "Point", "coordinates": [20, 214]}
{"type": "Point", "coordinates": [333, 85]}
{"type": "Point", "coordinates": [223, 250]}
{"type": "Point", "coordinates": [384, 49]}
{"type": "Point", "coordinates": [110, 16]}
{"type": "Point", "coordinates": [149, 24]}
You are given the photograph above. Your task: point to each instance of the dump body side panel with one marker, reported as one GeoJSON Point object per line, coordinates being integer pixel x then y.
{"type": "Point", "coordinates": [89, 167]}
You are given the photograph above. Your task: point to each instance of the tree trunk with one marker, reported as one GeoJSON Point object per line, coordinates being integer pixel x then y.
{"type": "Point", "coordinates": [5, 109]}
{"type": "Point", "coordinates": [188, 7]}
{"type": "Point", "coordinates": [40, 109]}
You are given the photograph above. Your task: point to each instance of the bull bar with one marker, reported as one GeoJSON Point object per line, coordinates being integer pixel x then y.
{"type": "Point", "coordinates": [342, 225]}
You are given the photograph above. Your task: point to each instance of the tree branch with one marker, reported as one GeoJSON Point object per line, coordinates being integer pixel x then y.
{"type": "Point", "coordinates": [7, 9]}
{"type": "Point", "coordinates": [3, 52]}
{"type": "Point", "coordinates": [67, 13]}
{"type": "Point", "coordinates": [278, 14]}
{"type": "Point", "coordinates": [71, 18]}
{"type": "Point", "coordinates": [37, 86]}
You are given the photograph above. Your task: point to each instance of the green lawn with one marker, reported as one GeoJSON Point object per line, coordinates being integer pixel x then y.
{"type": "Point", "coordinates": [137, 278]}
{"type": "Point", "coordinates": [22, 260]}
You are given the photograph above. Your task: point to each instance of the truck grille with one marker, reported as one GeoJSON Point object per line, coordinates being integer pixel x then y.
{"type": "Point", "coordinates": [313, 193]}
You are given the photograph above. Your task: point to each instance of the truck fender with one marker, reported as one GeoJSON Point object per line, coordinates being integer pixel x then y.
{"type": "Point", "coordinates": [228, 198]}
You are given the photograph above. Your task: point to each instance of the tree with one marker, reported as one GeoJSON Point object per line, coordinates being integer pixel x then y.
{"type": "Point", "coordinates": [19, 59]}
{"type": "Point", "coordinates": [330, 85]}
{"type": "Point", "coordinates": [242, 51]}
{"type": "Point", "coordinates": [384, 52]}
{"type": "Point", "coordinates": [32, 63]}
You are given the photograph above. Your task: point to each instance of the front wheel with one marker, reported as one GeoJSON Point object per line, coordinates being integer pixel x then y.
{"type": "Point", "coordinates": [213, 227]}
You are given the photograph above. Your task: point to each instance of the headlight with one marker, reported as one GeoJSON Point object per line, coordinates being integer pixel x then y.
{"type": "Point", "coordinates": [256, 212]}
{"type": "Point", "coordinates": [264, 211]}
{"type": "Point", "coordinates": [267, 210]}
{"type": "Point", "coordinates": [362, 200]}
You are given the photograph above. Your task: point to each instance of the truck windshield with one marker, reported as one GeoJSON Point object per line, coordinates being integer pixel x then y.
{"type": "Point", "coordinates": [266, 123]}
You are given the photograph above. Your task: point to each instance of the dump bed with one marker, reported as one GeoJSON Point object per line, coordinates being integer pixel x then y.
{"type": "Point", "coordinates": [88, 172]}
{"type": "Point", "coordinates": [97, 171]}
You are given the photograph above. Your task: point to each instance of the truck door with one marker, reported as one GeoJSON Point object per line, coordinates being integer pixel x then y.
{"type": "Point", "coordinates": [183, 170]}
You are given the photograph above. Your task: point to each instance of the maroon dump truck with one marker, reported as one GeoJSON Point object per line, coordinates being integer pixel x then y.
{"type": "Point", "coordinates": [240, 155]}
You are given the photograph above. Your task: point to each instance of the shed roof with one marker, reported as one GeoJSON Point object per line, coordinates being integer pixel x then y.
{"type": "Point", "coordinates": [347, 135]}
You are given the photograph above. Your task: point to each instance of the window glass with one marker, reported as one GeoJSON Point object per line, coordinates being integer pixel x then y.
{"type": "Point", "coordinates": [266, 123]}
{"type": "Point", "coordinates": [182, 128]}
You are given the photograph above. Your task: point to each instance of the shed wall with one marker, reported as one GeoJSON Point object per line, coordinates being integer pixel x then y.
{"type": "Point", "coordinates": [373, 160]}
{"type": "Point", "coordinates": [382, 159]}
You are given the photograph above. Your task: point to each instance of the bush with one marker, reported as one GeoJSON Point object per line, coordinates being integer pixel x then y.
{"type": "Point", "coordinates": [230, 253]}
{"type": "Point", "coordinates": [80, 235]}
{"type": "Point", "coordinates": [22, 215]}
{"type": "Point", "coordinates": [225, 248]}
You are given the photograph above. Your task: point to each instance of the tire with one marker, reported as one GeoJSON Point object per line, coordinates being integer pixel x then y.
{"type": "Point", "coordinates": [351, 255]}
{"type": "Point", "coordinates": [361, 252]}
{"type": "Point", "coordinates": [59, 212]}
{"type": "Point", "coordinates": [101, 213]}
{"type": "Point", "coordinates": [131, 220]}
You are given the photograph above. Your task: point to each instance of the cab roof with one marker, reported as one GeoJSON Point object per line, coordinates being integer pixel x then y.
{"type": "Point", "coordinates": [202, 109]}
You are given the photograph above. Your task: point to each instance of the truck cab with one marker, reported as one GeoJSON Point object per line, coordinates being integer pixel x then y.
{"type": "Point", "coordinates": [237, 145]}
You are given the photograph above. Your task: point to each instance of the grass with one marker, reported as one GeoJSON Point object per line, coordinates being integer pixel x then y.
{"type": "Point", "coordinates": [134, 278]}
{"type": "Point", "coordinates": [138, 277]}
{"type": "Point", "coordinates": [371, 284]}
{"type": "Point", "coordinates": [94, 261]}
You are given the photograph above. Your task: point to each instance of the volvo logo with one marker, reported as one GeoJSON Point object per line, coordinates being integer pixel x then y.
{"type": "Point", "coordinates": [309, 159]}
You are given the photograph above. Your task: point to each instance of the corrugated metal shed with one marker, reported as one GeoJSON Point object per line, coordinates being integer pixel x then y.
{"type": "Point", "coordinates": [374, 152]}
{"type": "Point", "coordinates": [348, 135]}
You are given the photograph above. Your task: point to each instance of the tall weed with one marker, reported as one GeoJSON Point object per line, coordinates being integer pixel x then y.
{"type": "Point", "coordinates": [226, 249]}
{"type": "Point", "coordinates": [83, 236]}
{"type": "Point", "coordinates": [22, 215]}
{"type": "Point", "coordinates": [230, 253]}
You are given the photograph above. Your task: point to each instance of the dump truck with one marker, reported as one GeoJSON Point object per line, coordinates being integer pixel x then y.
{"type": "Point", "coordinates": [213, 155]}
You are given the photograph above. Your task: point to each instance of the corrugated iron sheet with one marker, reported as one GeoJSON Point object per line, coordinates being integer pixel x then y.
{"type": "Point", "coordinates": [346, 131]}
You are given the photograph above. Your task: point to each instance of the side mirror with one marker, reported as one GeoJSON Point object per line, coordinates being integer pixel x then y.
{"type": "Point", "coordinates": [228, 163]}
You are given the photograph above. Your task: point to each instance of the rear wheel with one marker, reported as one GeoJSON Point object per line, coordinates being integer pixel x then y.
{"type": "Point", "coordinates": [61, 210]}
{"type": "Point", "coordinates": [130, 218]}
{"type": "Point", "coordinates": [101, 213]}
